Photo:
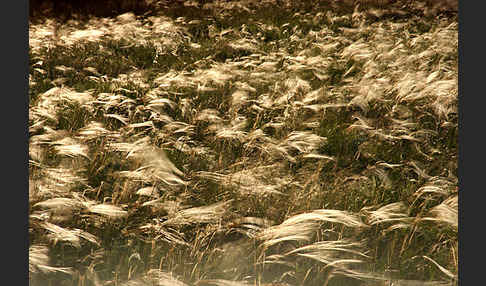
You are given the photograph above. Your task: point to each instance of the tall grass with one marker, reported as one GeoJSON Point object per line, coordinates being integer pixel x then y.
{"type": "Point", "coordinates": [245, 143]}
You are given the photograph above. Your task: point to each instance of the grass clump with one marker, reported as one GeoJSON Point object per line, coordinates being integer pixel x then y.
{"type": "Point", "coordinates": [244, 143]}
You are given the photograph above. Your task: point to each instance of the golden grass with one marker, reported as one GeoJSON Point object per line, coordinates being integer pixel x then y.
{"type": "Point", "coordinates": [318, 148]}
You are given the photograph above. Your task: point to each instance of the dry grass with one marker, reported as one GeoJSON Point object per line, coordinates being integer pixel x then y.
{"type": "Point", "coordinates": [294, 144]}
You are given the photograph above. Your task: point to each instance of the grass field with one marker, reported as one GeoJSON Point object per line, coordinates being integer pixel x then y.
{"type": "Point", "coordinates": [245, 143]}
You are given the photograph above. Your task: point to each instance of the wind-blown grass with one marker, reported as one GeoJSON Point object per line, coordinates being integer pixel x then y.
{"type": "Point", "coordinates": [245, 144]}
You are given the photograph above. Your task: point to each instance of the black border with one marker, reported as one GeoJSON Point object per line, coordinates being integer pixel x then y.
{"type": "Point", "coordinates": [15, 141]}
{"type": "Point", "coordinates": [471, 127]}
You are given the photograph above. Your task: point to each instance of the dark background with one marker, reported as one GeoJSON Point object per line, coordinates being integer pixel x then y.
{"type": "Point", "coordinates": [66, 9]}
